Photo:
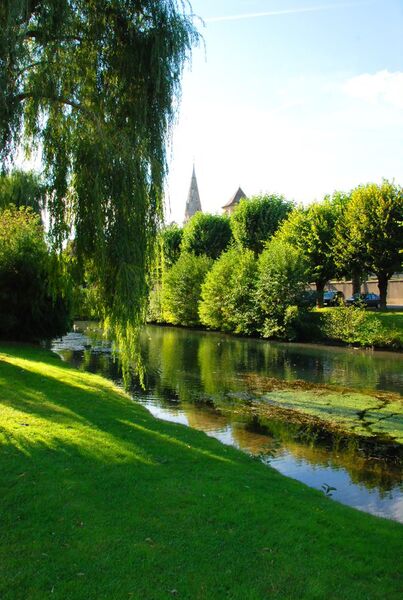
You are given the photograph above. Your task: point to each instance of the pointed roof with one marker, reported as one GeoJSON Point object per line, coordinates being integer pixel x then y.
{"type": "Point", "coordinates": [239, 194]}
{"type": "Point", "coordinates": [193, 204]}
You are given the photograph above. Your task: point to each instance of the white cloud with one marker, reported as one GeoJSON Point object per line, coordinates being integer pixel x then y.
{"type": "Point", "coordinates": [379, 88]}
{"type": "Point", "coordinates": [285, 11]}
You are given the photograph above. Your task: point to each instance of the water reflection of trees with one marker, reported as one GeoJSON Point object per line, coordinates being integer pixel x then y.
{"type": "Point", "coordinates": [206, 374]}
{"type": "Point", "coordinates": [195, 367]}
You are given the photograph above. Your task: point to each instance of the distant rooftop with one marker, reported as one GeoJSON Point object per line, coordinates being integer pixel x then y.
{"type": "Point", "coordinates": [236, 198]}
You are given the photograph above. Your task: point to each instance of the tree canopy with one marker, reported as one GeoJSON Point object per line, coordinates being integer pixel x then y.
{"type": "Point", "coordinates": [312, 230]}
{"type": "Point", "coordinates": [255, 220]}
{"type": "Point", "coordinates": [170, 239]}
{"type": "Point", "coordinates": [372, 232]}
{"type": "Point", "coordinates": [95, 84]}
{"type": "Point", "coordinates": [206, 234]}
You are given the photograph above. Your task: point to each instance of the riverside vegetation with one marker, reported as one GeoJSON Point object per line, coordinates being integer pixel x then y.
{"type": "Point", "coordinates": [256, 282]}
{"type": "Point", "coordinates": [73, 446]}
{"type": "Point", "coordinates": [98, 499]}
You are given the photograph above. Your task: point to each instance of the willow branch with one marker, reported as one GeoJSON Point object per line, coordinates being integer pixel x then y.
{"type": "Point", "coordinates": [59, 99]}
{"type": "Point", "coordinates": [44, 36]}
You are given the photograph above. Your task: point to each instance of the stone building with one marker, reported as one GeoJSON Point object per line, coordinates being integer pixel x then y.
{"type": "Point", "coordinates": [193, 204]}
{"type": "Point", "coordinates": [233, 202]}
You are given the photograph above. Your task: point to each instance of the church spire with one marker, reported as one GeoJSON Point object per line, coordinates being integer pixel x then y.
{"type": "Point", "coordinates": [193, 204]}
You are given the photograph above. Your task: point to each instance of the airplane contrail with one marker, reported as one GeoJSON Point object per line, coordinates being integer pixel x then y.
{"type": "Point", "coordinates": [285, 11]}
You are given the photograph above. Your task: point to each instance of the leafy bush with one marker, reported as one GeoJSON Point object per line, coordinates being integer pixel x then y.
{"type": "Point", "coordinates": [181, 289]}
{"type": "Point", "coordinates": [29, 308]}
{"type": "Point", "coordinates": [280, 289]}
{"type": "Point", "coordinates": [354, 325]}
{"type": "Point", "coordinates": [206, 234]}
{"type": "Point", "coordinates": [255, 220]}
{"type": "Point", "coordinates": [228, 301]}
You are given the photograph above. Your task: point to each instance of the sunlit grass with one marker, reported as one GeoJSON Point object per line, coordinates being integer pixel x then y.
{"type": "Point", "coordinates": [101, 501]}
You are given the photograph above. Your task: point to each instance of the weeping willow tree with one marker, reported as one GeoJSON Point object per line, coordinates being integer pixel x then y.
{"type": "Point", "coordinates": [94, 84]}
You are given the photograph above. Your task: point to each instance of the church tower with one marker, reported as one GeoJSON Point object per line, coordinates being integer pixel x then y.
{"type": "Point", "coordinates": [193, 204]}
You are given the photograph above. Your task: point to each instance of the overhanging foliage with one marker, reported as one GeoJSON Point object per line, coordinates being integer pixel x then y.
{"type": "Point", "coordinates": [94, 83]}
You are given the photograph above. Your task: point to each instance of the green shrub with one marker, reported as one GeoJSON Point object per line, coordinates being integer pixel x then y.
{"type": "Point", "coordinates": [181, 289]}
{"type": "Point", "coordinates": [206, 234]}
{"type": "Point", "coordinates": [30, 308]}
{"type": "Point", "coordinates": [355, 325]}
{"type": "Point", "coordinates": [228, 301]}
{"type": "Point", "coordinates": [280, 289]}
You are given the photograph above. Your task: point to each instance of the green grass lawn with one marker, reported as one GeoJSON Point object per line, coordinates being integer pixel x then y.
{"type": "Point", "coordinates": [101, 501]}
{"type": "Point", "coordinates": [392, 320]}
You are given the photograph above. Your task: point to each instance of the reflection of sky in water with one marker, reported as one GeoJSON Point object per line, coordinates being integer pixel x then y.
{"type": "Point", "coordinates": [388, 504]}
{"type": "Point", "coordinates": [347, 492]}
{"type": "Point", "coordinates": [185, 376]}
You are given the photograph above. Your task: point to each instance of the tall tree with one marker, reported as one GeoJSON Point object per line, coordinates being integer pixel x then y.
{"type": "Point", "coordinates": [255, 220]}
{"type": "Point", "coordinates": [373, 232]}
{"type": "Point", "coordinates": [95, 83]}
{"type": "Point", "coordinates": [348, 264]}
{"type": "Point", "coordinates": [312, 230]}
{"type": "Point", "coordinates": [22, 188]}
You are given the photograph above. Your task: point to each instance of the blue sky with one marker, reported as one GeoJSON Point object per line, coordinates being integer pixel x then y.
{"type": "Point", "coordinates": [299, 97]}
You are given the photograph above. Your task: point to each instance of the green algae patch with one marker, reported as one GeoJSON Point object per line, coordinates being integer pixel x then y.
{"type": "Point", "coordinates": [366, 414]}
{"type": "Point", "coordinates": [99, 500]}
{"type": "Point", "coordinates": [362, 415]}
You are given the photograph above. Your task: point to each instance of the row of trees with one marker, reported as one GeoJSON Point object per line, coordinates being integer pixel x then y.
{"type": "Point", "coordinates": [345, 235]}
{"type": "Point", "coordinates": [239, 292]}
{"type": "Point", "coordinates": [217, 271]}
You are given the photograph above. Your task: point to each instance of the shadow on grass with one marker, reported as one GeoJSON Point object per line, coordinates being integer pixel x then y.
{"type": "Point", "coordinates": [79, 409]}
{"type": "Point", "coordinates": [101, 501]}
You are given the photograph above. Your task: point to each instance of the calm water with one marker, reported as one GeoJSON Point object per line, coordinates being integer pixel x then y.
{"type": "Point", "coordinates": [205, 380]}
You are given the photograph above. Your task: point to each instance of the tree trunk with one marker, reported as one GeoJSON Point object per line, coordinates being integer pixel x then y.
{"type": "Point", "coordinates": [356, 281]}
{"type": "Point", "coordinates": [320, 287]}
{"type": "Point", "coordinates": [383, 289]}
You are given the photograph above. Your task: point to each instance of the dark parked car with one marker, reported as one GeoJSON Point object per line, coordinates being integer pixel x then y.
{"type": "Point", "coordinates": [332, 298]}
{"type": "Point", "coordinates": [370, 300]}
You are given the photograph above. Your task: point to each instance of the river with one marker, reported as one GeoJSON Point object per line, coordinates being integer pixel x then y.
{"type": "Point", "coordinates": [206, 381]}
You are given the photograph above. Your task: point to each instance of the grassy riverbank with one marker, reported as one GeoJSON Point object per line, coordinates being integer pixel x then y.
{"type": "Point", "coordinates": [101, 501]}
{"type": "Point", "coordinates": [368, 328]}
